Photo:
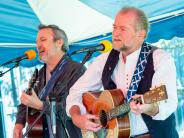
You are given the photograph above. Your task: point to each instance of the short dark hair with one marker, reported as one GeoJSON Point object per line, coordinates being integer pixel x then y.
{"type": "Point", "coordinates": [58, 34]}
{"type": "Point", "coordinates": [142, 19]}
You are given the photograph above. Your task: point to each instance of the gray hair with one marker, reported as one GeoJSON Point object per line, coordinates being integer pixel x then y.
{"type": "Point", "coordinates": [142, 19]}
{"type": "Point", "coordinates": [58, 34]}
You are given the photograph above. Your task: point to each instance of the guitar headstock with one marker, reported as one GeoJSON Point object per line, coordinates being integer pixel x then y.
{"type": "Point", "coordinates": [32, 81]}
{"type": "Point", "coordinates": [155, 95]}
{"type": "Point", "coordinates": [33, 78]}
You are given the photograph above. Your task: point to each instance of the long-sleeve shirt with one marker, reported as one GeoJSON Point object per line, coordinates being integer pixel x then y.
{"type": "Point", "coordinates": [165, 73]}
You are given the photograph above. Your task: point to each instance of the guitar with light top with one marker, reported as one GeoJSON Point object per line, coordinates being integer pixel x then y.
{"type": "Point", "coordinates": [109, 105]}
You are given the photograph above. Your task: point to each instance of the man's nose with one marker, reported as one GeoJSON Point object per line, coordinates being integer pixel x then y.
{"type": "Point", "coordinates": [116, 32]}
{"type": "Point", "coordinates": [38, 45]}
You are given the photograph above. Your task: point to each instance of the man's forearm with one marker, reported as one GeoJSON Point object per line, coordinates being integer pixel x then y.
{"type": "Point", "coordinates": [152, 110]}
{"type": "Point", "coordinates": [74, 110]}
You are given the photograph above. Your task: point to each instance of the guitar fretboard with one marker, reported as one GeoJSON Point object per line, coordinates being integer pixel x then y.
{"type": "Point", "coordinates": [118, 111]}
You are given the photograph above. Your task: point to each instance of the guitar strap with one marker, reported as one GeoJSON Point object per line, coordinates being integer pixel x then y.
{"type": "Point", "coordinates": [138, 73]}
{"type": "Point", "coordinates": [48, 88]}
{"type": "Point", "coordinates": [55, 75]}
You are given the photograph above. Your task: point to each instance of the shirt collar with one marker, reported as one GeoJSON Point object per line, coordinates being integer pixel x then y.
{"type": "Point", "coordinates": [131, 56]}
{"type": "Point", "coordinates": [64, 56]}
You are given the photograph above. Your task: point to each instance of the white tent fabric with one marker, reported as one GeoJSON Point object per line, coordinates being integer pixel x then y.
{"type": "Point", "coordinates": [81, 19]}
{"type": "Point", "coordinates": [91, 22]}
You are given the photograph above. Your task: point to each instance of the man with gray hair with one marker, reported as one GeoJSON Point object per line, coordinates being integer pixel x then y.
{"type": "Point", "coordinates": [54, 79]}
{"type": "Point", "coordinates": [133, 66]}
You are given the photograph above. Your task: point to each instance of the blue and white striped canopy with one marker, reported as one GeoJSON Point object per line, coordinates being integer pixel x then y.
{"type": "Point", "coordinates": [19, 20]}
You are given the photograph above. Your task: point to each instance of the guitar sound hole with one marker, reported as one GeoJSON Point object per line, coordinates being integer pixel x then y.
{"type": "Point", "coordinates": [103, 118]}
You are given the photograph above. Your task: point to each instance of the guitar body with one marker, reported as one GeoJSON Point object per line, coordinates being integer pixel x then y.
{"type": "Point", "coordinates": [107, 100]}
{"type": "Point", "coordinates": [113, 112]}
{"type": "Point", "coordinates": [37, 130]}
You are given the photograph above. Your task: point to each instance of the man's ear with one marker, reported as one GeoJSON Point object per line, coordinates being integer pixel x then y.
{"type": "Point", "coordinates": [59, 43]}
{"type": "Point", "coordinates": [142, 34]}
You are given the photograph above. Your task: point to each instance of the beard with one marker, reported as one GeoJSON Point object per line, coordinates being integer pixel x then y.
{"type": "Point", "coordinates": [44, 58]}
{"type": "Point", "coordinates": [49, 55]}
{"type": "Point", "coordinates": [124, 48]}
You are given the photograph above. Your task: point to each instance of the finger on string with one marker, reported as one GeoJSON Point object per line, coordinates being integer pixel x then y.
{"type": "Point", "coordinates": [90, 116]}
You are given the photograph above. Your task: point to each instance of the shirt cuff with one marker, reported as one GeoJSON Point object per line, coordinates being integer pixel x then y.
{"type": "Point", "coordinates": [20, 121]}
{"type": "Point", "coordinates": [81, 106]}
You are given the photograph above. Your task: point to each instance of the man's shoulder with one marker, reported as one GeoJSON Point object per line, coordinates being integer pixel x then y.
{"type": "Point", "coordinates": [74, 64]}
{"type": "Point", "coordinates": [71, 61]}
{"type": "Point", "coordinates": [159, 52]}
{"type": "Point", "coordinates": [161, 57]}
{"type": "Point", "coordinates": [102, 57]}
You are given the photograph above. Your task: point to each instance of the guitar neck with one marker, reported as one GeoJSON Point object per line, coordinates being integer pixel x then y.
{"type": "Point", "coordinates": [154, 95]}
{"type": "Point", "coordinates": [32, 81]}
{"type": "Point", "coordinates": [119, 111]}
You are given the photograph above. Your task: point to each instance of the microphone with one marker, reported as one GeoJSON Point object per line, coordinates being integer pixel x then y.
{"type": "Point", "coordinates": [103, 46]}
{"type": "Point", "coordinates": [29, 54]}
{"type": "Point", "coordinates": [52, 99]}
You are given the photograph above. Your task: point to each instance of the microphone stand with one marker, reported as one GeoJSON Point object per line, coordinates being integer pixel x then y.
{"type": "Point", "coordinates": [52, 99]}
{"type": "Point", "coordinates": [87, 57]}
{"type": "Point", "coordinates": [75, 74]}
{"type": "Point", "coordinates": [16, 65]}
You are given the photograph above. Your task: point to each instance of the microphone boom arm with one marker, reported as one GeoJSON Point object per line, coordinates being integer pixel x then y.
{"type": "Point", "coordinates": [16, 65]}
{"type": "Point", "coordinates": [17, 60]}
{"type": "Point", "coordinates": [87, 57]}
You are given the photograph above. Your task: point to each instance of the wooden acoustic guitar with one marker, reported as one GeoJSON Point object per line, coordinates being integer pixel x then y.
{"type": "Point", "coordinates": [109, 105]}
{"type": "Point", "coordinates": [32, 114]}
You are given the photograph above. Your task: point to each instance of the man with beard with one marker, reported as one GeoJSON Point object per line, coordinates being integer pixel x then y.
{"type": "Point", "coordinates": [56, 77]}
{"type": "Point", "coordinates": [121, 68]}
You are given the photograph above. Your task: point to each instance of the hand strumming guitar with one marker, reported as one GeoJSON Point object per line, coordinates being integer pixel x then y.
{"type": "Point", "coordinates": [84, 121]}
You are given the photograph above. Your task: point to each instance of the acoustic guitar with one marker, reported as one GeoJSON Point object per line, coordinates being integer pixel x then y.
{"type": "Point", "coordinates": [32, 114]}
{"type": "Point", "coordinates": [109, 105]}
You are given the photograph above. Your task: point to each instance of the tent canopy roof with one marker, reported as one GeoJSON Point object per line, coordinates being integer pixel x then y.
{"type": "Point", "coordinates": [86, 21]}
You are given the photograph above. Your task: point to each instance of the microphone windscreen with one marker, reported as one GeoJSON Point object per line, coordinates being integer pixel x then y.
{"type": "Point", "coordinates": [107, 46]}
{"type": "Point", "coordinates": [31, 54]}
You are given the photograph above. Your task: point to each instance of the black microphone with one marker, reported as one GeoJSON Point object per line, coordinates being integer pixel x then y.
{"type": "Point", "coordinates": [52, 99]}
{"type": "Point", "coordinates": [29, 54]}
{"type": "Point", "coordinates": [103, 46]}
